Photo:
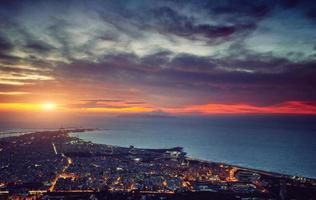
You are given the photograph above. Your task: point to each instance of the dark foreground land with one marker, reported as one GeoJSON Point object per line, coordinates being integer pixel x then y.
{"type": "Point", "coordinates": [54, 165]}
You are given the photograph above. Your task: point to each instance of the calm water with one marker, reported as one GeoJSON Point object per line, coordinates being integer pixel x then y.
{"type": "Point", "coordinates": [280, 144]}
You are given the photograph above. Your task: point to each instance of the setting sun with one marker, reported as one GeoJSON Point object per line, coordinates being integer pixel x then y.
{"type": "Point", "coordinates": [49, 106]}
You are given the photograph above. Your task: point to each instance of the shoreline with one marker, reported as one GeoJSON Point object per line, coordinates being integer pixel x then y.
{"type": "Point", "coordinates": [212, 161]}
{"type": "Point", "coordinates": [75, 130]}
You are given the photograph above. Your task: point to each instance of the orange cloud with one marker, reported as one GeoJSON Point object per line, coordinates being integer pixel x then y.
{"type": "Point", "coordinates": [290, 107]}
{"type": "Point", "coordinates": [13, 93]}
{"type": "Point", "coordinates": [23, 107]}
{"type": "Point", "coordinates": [4, 107]}
{"type": "Point", "coordinates": [120, 110]}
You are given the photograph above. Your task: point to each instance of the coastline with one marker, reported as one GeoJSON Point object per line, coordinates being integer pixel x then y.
{"type": "Point", "coordinates": [226, 162]}
{"type": "Point", "coordinates": [74, 130]}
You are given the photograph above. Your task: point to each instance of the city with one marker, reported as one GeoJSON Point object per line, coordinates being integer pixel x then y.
{"type": "Point", "coordinates": [55, 165]}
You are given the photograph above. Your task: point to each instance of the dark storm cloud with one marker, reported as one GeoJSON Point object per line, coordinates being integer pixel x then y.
{"type": "Point", "coordinates": [249, 9]}
{"type": "Point", "coordinates": [39, 46]}
{"type": "Point", "coordinates": [169, 21]}
{"type": "Point", "coordinates": [5, 44]}
{"type": "Point", "coordinates": [173, 22]}
{"type": "Point", "coordinates": [160, 58]}
{"type": "Point", "coordinates": [15, 37]}
{"type": "Point", "coordinates": [188, 62]}
{"type": "Point", "coordinates": [6, 58]}
{"type": "Point", "coordinates": [287, 80]}
{"type": "Point", "coordinates": [304, 6]}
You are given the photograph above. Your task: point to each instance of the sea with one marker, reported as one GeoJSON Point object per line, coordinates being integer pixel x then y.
{"type": "Point", "coordinates": [282, 144]}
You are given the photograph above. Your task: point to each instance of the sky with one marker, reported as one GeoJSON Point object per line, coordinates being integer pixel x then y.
{"type": "Point", "coordinates": [174, 57]}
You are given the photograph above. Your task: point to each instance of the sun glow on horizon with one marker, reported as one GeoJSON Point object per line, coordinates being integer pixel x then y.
{"type": "Point", "coordinates": [289, 107]}
{"type": "Point", "coordinates": [49, 106]}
